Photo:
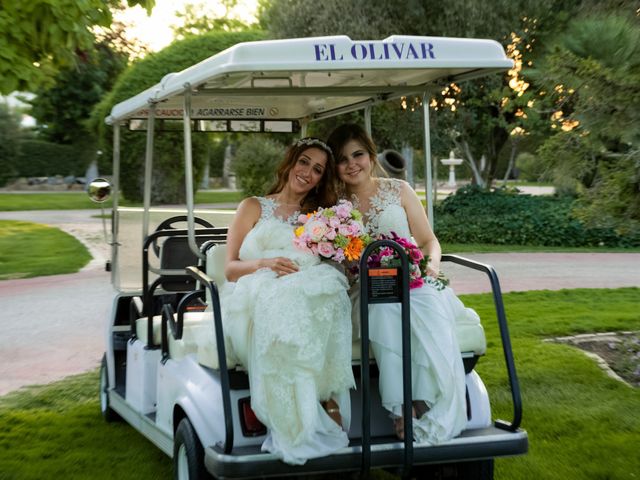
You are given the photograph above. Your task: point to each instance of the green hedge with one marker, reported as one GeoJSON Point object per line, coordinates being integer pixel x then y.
{"type": "Point", "coordinates": [507, 217]}
{"type": "Point", "coordinates": [38, 159]}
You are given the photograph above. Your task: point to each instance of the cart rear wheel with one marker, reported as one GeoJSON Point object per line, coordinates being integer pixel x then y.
{"type": "Point", "coordinates": [107, 412]}
{"type": "Point", "coordinates": [188, 454]}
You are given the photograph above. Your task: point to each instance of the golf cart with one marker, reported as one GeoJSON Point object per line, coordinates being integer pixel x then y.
{"type": "Point", "coordinates": [164, 375]}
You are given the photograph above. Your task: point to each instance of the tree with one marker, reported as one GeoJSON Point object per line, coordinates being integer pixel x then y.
{"type": "Point", "coordinates": [63, 109]}
{"type": "Point", "coordinates": [198, 19]}
{"type": "Point", "coordinates": [38, 37]}
{"type": "Point", "coordinates": [595, 72]}
{"type": "Point", "coordinates": [479, 117]}
{"type": "Point", "coordinates": [169, 180]}
{"type": "Point", "coordinates": [484, 117]}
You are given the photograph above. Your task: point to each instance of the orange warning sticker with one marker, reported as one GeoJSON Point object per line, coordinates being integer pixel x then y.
{"type": "Point", "coordinates": [383, 272]}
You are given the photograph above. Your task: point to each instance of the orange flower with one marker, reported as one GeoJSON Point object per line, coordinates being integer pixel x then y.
{"type": "Point", "coordinates": [354, 249]}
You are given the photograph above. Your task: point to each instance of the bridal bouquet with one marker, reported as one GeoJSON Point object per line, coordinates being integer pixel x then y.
{"type": "Point", "coordinates": [335, 233]}
{"type": "Point", "coordinates": [387, 257]}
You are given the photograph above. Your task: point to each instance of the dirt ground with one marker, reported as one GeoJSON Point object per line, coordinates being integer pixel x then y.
{"type": "Point", "coordinates": [618, 353]}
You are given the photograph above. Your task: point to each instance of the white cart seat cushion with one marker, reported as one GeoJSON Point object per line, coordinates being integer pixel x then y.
{"type": "Point", "coordinates": [470, 333]}
{"type": "Point", "coordinates": [190, 318]}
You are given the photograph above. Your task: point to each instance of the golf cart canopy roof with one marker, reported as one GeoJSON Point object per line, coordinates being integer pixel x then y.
{"type": "Point", "coordinates": [309, 78]}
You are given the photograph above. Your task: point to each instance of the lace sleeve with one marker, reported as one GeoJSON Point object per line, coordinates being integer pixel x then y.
{"type": "Point", "coordinates": [267, 206]}
{"type": "Point", "coordinates": [388, 195]}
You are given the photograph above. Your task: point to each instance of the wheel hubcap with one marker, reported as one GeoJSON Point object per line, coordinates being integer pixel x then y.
{"type": "Point", "coordinates": [183, 465]}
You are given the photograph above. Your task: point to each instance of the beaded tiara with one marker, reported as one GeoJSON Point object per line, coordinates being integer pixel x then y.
{"type": "Point", "coordinates": [313, 142]}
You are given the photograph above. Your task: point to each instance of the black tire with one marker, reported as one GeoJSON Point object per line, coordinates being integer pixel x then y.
{"type": "Point", "coordinates": [474, 470]}
{"type": "Point", "coordinates": [188, 454]}
{"type": "Point", "coordinates": [108, 413]}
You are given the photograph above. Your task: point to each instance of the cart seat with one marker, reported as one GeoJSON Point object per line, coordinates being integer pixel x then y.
{"type": "Point", "coordinates": [468, 327]}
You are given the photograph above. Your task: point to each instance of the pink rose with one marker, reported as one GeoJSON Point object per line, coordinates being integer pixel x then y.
{"type": "Point", "coordinates": [331, 234]}
{"type": "Point", "coordinates": [355, 228]}
{"type": "Point", "coordinates": [316, 230]}
{"type": "Point", "coordinates": [416, 254]}
{"type": "Point", "coordinates": [334, 222]}
{"type": "Point", "coordinates": [416, 283]}
{"type": "Point", "coordinates": [344, 230]}
{"type": "Point", "coordinates": [299, 243]}
{"type": "Point", "coordinates": [302, 219]}
{"type": "Point", "coordinates": [326, 249]}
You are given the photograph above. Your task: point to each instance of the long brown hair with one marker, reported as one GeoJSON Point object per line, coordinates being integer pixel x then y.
{"type": "Point", "coordinates": [351, 131]}
{"type": "Point", "coordinates": [324, 194]}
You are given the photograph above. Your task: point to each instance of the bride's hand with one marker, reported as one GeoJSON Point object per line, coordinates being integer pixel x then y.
{"type": "Point", "coordinates": [433, 270]}
{"type": "Point", "coordinates": [280, 265]}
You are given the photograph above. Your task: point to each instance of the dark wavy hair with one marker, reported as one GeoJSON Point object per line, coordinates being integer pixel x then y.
{"type": "Point", "coordinates": [324, 194]}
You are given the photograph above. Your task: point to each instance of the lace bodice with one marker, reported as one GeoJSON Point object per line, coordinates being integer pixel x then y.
{"type": "Point", "coordinates": [272, 236]}
{"type": "Point", "coordinates": [272, 209]}
{"type": "Point", "coordinates": [384, 212]}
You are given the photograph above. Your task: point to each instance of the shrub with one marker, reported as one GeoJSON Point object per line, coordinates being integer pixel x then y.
{"type": "Point", "coordinates": [507, 217]}
{"type": "Point", "coordinates": [38, 158]}
{"type": "Point", "coordinates": [530, 167]}
{"type": "Point", "coordinates": [255, 163]}
{"type": "Point", "coordinates": [9, 143]}
{"type": "Point", "coordinates": [168, 165]}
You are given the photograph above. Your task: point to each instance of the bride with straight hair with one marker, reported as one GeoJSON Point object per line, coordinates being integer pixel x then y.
{"type": "Point", "coordinates": [438, 378]}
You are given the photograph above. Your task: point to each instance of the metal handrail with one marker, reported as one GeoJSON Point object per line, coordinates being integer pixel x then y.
{"type": "Point", "coordinates": [209, 283]}
{"type": "Point", "coordinates": [176, 325]}
{"type": "Point", "coordinates": [504, 334]}
{"type": "Point", "coordinates": [406, 355]}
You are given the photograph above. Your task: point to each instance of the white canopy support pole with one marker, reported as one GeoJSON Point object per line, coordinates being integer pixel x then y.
{"type": "Point", "coordinates": [427, 159]}
{"type": "Point", "coordinates": [303, 128]}
{"type": "Point", "coordinates": [367, 119]}
{"type": "Point", "coordinates": [115, 224]}
{"type": "Point", "coordinates": [148, 169]}
{"type": "Point", "coordinates": [188, 171]}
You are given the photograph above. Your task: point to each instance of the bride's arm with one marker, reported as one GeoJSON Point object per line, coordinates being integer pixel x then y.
{"type": "Point", "coordinates": [245, 219]}
{"type": "Point", "coordinates": [420, 228]}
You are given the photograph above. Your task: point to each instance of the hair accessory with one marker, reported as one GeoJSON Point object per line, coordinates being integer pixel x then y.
{"type": "Point", "coordinates": [313, 142]}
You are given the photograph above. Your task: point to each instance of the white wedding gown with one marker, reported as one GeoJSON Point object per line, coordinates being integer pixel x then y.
{"type": "Point", "coordinates": [293, 335]}
{"type": "Point", "coordinates": [438, 376]}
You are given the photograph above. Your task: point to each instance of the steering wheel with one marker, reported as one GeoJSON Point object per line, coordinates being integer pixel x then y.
{"type": "Point", "coordinates": [168, 225]}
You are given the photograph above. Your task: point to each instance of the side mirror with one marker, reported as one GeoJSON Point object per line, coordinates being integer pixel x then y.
{"type": "Point", "coordinates": [99, 190]}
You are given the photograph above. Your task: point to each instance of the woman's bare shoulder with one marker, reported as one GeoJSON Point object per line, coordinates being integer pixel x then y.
{"type": "Point", "coordinates": [249, 208]}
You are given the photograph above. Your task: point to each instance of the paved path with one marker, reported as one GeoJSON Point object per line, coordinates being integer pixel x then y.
{"type": "Point", "coordinates": [51, 327]}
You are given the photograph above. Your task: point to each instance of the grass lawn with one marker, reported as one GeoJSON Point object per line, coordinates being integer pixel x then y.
{"type": "Point", "coordinates": [10, 202]}
{"type": "Point", "coordinates": [581, 423]}
{"type": "Point", "coordinates": [30, 250]}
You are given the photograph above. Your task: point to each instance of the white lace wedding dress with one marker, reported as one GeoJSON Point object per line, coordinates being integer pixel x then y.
{"type": "Point", "coordinates": [438, 376]}
{"type": "Point", "coordinates": [293, 335]}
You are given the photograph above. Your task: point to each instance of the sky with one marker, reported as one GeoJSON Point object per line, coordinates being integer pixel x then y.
{"type": "Point", "coordinates": [155, 30]}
